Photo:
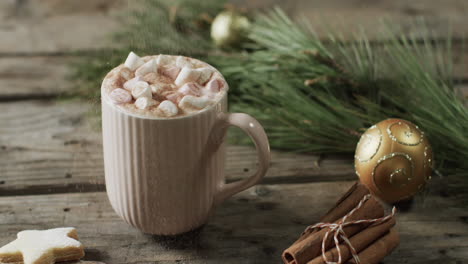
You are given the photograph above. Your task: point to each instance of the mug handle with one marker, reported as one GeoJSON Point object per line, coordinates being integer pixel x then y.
{"type": "Point", "coordinates": [256, 132]}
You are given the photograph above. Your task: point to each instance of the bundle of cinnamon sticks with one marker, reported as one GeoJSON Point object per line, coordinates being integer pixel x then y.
{"type": "Point", "coordinates": [370, 241]}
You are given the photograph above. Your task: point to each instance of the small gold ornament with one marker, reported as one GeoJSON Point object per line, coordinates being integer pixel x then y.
{"type": "Point", "coordinates": [394, 160]}
{"type": "Point", "coordinates": [229, 28]}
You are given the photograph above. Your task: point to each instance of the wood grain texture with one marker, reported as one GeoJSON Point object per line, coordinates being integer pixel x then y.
{"type": "Point", "coordinates": [252, 227]}
{"type": "Point", "coordinates": [53, 26]}
{"type": "Point", "coordinates": [354, 15]}
{"type": "Point", "coordinates": [49, 147]}
{"type": "Point", "coordinates": [34, 77]}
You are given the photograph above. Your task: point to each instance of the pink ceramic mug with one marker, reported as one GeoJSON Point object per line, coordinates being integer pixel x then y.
{"type": "Point", "coordinates": [164, 176]}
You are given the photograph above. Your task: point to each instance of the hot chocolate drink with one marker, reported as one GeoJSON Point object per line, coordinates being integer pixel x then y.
{"type": "Point", "coordinates": [163, 86]}
{"type": "Point", "coordinates": [164, 123]}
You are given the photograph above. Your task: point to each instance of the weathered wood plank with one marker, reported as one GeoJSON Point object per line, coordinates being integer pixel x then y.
{"type": "Point", "coordinates": [51, 26]}
{"type": "Point", "coordinates": [23, 9]}
{"type": "Point", "coordinates": [355, 15]}
{"type": "Point", "coordinates": [48, 146]}
{"type": "Point", "coordinates": [30, 77]}
{"type": "Point", "coordinates": [252, 227]}
{"type": "Point", "coordinates": [56, 34]}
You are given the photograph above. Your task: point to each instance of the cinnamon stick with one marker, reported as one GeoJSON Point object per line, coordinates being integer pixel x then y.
{"type": "Point", "coordinates": [310, 247]}
{"type": "Point", "coordinates": [359, 241]}
{"type": "Point", "coordinates": [381, 248]}
{"type": "Point", "coordinates": [345, 204]}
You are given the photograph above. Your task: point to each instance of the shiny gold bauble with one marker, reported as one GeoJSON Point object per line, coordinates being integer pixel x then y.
{"type": "Point", "coordinates": [394, 160]}
{"type": "Point", "coordinates": [229, 29]}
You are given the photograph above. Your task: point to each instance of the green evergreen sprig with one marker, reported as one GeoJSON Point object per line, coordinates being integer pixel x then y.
{"type": "Point", "coordinates": [317, 97]}
{"type": "Point", "coordinates": [312, 94]}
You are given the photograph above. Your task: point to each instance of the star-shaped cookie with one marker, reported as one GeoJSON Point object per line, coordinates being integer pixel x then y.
{"type": "Point", "coordinates": [43, 247]}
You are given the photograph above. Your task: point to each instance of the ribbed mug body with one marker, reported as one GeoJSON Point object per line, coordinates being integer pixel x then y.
{"type": "Point", "coordinates": [161, 174]}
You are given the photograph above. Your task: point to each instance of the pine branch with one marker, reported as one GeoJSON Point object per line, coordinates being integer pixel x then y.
{"type": "Point", "coordinates": [348, 86]}
{"type": "Point", "coordinates": [310, 96]}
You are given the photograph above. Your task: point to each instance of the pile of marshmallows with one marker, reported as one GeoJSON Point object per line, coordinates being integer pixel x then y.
{"type": "Point", "coordinates": [166, 85]}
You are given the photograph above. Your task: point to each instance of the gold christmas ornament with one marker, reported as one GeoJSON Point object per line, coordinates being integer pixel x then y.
{"type": "Point", "coordinates": [229, 28]}
{"type": "Point", "coordinates": [394, 160]}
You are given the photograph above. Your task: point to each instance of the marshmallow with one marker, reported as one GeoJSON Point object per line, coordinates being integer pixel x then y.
{"type": "Point", "coordinates": [144, 102]}
{"type": "Point", "coordinates": [150, 66]}
{"type": "Point", "coordinates": [192, 102]}
{"type": "Point", "coordinates": [126, 73]}
{"type": "Point", "coordinates": [128, 85]}
{"type": "Point", "coordinates": [141, 89]}
{"type": "Point", "coordinates": [133, 61]}
{"type": "Point", "coordinates": [168, 108]}
{"type": "Point", "coordinates": [158, 88]}
{"type": "Point", "coordinates": [190, 89]}
{"type": "Point", "coordinates": [173, 96]}
{"type": "Point", "coordinates": [151, 77]}
{"type": "Point", "coordinates": [164, 59]}
{"type": "Point", "coordinates": [187, 75]}
{"type": "Point", "coordinates": [214, 85]}
{"type": "Point", "coordinates": [171, 72]}
{"type": "Point", "coordinates": [120, 96]}
{"type": "Point", "coordinates": [182, 61]}
{"type": "Point", "coordinates": [205, 74]}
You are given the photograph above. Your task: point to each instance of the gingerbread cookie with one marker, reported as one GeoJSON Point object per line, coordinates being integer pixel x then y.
{"type": "Point", "coordinates": [43, 247]}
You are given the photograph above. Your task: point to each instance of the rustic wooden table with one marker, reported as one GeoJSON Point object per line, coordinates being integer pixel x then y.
{"type": "Point", "coordinates": [51, 171]}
